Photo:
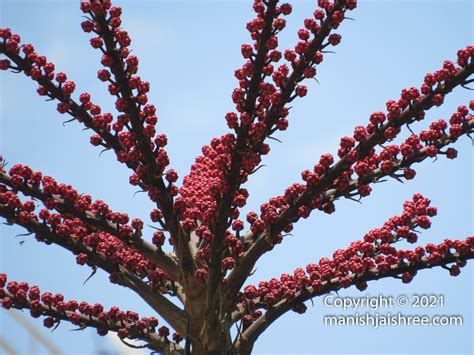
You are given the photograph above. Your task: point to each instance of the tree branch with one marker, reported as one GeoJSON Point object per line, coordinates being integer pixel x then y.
{"type": "Point", "coordinates": [250, 335]}
{"type": "Point", "coordinates": [120, 274]}
{"type": "Point", "coordinates": [264, 242]}
{"type": "Point", "coordinates": [152, 170]}
{"type": "Point", "coordinates": [233, 177]}
{"type": "Point", "coordinates": [363, 148]}
{"type": "Point", "coordinates": [153, 340]}
{"type": "Point", "coordinates": [162, 259]}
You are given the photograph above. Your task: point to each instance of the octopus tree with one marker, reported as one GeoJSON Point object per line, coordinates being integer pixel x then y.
{"type": "Point", "coordinates": [212, 256]}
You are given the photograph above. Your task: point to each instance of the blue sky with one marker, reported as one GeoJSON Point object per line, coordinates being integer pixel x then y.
{"type": "Point", "coordinates": [189, 51]}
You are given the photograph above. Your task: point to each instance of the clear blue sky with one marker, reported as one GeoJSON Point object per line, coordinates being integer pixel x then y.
{"type": "Point", "coordinates": [188, 51]}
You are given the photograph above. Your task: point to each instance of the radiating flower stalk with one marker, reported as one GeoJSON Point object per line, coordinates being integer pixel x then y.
{"type": "Point", "coordinates": [212, 255]}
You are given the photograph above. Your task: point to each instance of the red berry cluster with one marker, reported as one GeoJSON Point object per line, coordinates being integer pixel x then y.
{"type": "Point", "coordinates": [364, 260]}
{"type": "Point", "coordinates": [260, 110]}
{"type": "Point", "coordinates": [68, 227]}
{"type": "Point", "coordinates": [360, 164]}
{"type": "Point", "coordinates": [260, 103]}
{"type": "Point", "coordinates": [39, 69]}
{"type": "Point", "coordinates": [213, 258]}
{"type": "Point", "coordinates": [135, 125]}
{"type": "Point", "coordinates": [132, 134]}
{"type": "Point", "coordinates": [54, 308]}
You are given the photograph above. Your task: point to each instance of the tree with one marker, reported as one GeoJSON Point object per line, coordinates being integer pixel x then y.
{"type": "Point", "coordinates": [212, 257]}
